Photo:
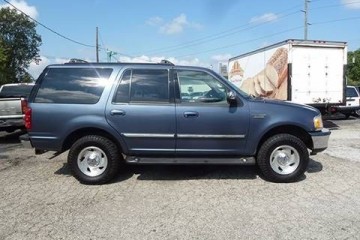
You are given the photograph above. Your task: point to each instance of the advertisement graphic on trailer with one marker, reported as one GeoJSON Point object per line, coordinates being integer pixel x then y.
{"type": "Point", "coordinates": [264, 74]}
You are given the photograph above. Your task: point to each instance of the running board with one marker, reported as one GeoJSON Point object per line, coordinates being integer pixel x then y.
{"type": "Point", "coordinates": [148, 160]}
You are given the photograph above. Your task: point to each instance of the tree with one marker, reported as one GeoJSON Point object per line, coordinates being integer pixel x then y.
{"type": "Point", "coordinates": [2, 64]}
{"type": "Point", "coordinates": [353, 68]}
{"type": "Point", "coordinates": [19, 45]}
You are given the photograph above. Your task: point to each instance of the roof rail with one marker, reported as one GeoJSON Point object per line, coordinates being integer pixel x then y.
{"type": "Point", "coordinates": [164, 61]}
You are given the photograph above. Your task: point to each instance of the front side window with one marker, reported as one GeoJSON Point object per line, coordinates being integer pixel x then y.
{"type": "Point", "coordinates": [73, 85]}
{"type": "Point", "coordinates": [197, 86]}
{"type": "Point", "coordinates": [143, 85]}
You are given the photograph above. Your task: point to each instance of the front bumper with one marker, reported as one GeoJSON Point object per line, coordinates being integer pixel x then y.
{"type": "Point", "coordinates": [320, 140]}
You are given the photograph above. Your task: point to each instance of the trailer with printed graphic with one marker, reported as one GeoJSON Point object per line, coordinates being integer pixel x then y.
{"type": "Point", "coordinates": [302, 71]}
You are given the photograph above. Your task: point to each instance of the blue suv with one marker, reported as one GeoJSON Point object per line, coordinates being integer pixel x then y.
{"type": "Point", "coordinates": [109, 115]}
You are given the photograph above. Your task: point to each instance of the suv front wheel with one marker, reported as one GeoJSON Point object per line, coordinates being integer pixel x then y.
{"type": "Point", "coordinates": [94, 159]}
{"type": "Point", "coordinates": [283, 158]}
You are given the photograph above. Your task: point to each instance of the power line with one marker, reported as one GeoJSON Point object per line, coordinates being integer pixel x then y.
{"type": "Point", "coordinates": [51, 30]}
{"type": "Point", "coordinates": [267, 36]}
{"type": "Point", "coordinates": [59, 34]}
{"type": "Point", "coordinates": [247, 41]}
{"type": "Point", "coordinates": [234, 30]}
{"type": "Point", "coordinates": [335, 5]}
{"type": "Point", "coordinates": [336, 20]}
{"type": "Point", "coordinates": [222, 34]}
{"type": "Point", "coordinates": [228, 34]}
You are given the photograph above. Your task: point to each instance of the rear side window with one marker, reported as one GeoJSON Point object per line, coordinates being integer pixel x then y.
{"type": "Point", "coordinates": [73, 85]}
{"type": "Point", "coordinates": [143, 85]}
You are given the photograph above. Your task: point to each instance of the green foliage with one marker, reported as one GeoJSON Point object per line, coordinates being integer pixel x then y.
{"type": "Point", "coordinates": [353, 68]}
{"type": "Point", "coordinates": [19, 45]}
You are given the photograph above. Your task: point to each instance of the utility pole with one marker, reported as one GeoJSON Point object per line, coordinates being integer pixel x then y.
{"type": "Point", "coordinates": [306, 11]}
{"type": "Point", "coordinates": [97, 44]}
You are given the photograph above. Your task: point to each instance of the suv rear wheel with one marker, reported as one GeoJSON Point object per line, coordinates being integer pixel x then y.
{"type": "Point", "coordinates": [283, 158]}
{"type": "Point", "coordinates": [94, 159]}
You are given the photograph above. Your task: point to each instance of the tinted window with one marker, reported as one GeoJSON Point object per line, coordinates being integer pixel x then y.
{"type": "Point", "coordinates": [196, 86]}
{"type": "Point", "coordinates": [351, 92]}
{"type": "Point", "coordinates": [123, 90]}
{"type": "Point", "coordinates": [73, 85]}
{"type": "Point", "coordinates": [16, 91]}
{"type": "Point", "coordinates": [149, 85]}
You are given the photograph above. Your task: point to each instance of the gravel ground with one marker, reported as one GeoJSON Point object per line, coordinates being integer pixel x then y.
{"type": "Point", "coordinates": [40, 200]}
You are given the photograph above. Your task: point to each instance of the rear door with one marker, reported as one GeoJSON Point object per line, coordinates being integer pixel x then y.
{"type": "Point", "coordinates": [317, 74]}
{"type": "Point", "coordinates": [142, 110]}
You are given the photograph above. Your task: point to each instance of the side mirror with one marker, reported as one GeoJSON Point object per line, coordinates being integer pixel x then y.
{"type": "Point", "coordinates": [231, 97]}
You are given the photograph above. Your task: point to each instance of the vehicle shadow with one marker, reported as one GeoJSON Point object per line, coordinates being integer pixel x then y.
{"type": "Point", "coordinates": [190, 172]}
{"type": "Point", "coordinates": [11, 137]}
{"type": "Point", "coordinates": [329, 124]}
{"type": "Point", "coordinates": [199, 172]}
{"type": "Point", "coordinates": [194, 172]}
{"type": "Point", "coordinates": [314, 166]}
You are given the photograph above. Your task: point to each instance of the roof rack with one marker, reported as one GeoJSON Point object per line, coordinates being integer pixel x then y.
{"type": "Point", "coordinates": [164, 61]}
{"type": "Point", "coordinates": [77, 60]}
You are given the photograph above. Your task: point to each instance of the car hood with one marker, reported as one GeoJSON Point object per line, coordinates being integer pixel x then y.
{"type": "Point", "coordinates": [285, 104]}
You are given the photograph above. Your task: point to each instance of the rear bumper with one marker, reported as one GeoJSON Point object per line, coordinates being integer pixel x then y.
{"type": "Point", "coordinates": [11, 123]}
{"type": "Point", "coordinates": [346, 109]}
{"type": "Point", "coordinates": [320, 140]}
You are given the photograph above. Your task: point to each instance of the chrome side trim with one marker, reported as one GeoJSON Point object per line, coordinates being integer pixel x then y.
{"type": "Point", "coordinates": [208, 136]}
{"type": "Point", "coordinates": [148, 135]}
{"type": "Point", "coordinates": [159, 135]}
{"type": "Point", "coordinates": [42, 137]}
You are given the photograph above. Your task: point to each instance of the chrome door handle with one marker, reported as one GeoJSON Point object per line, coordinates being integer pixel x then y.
{"type": "Point", "coordinates": [117, 112]}
{"type": "Point", "coordinates": [191, 114]}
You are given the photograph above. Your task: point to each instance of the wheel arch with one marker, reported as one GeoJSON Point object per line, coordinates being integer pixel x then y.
{"type": "Point", "coordinates": [79, 133]}
{"type": "Point", "coordinates": [288, 129]}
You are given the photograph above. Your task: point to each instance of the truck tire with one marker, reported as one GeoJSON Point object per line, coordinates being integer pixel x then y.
{"type": "Point", "coordinates": [283, 158]}
{"type": "Point", "coordinates": [94, 159]}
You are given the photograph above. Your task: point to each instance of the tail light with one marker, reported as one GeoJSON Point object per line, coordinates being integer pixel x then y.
{"type": "Point", "coordinates": [24, 105]}
{"type": "Point", "coordinates": [27, 111]}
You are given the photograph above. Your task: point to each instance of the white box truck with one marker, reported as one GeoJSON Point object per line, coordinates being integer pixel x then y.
{"type": "Point", "coordinates": [302, 71]}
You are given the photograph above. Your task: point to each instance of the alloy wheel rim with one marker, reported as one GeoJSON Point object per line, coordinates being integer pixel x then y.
{"type": "Point", "coordinates": [92, 161]}
{"type": "Point", "coordinates": [284, 160]}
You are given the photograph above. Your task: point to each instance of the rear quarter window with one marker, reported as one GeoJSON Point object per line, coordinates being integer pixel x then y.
{"type": "Point", "coordinates": [73, 85]}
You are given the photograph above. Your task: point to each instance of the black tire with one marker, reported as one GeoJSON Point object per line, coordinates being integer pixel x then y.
{"type": "Point", "coordinates": [347, 115]}
{"type": "Point", "coordinates": [357, 113]}
{"type": "Point", "coordinates": [277, 145]}
{"type": "Point", "coordinates": [105, 149]}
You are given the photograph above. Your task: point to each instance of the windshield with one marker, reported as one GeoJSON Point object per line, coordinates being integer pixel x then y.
{"type": "Point", "coordinates": [15, 91]}
{"type": "Point", "coordinates": [351, 92]}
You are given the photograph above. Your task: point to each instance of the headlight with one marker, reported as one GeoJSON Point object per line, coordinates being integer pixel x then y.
{"type": "Point", "coordinates": [318, 123]}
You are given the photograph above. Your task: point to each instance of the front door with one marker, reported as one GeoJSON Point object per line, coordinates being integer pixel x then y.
{"type": "Point", "coordinates": [207, 124]}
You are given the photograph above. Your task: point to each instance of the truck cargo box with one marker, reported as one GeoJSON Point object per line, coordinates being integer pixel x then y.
{"type": "Point", "coordinates": [302, 71]}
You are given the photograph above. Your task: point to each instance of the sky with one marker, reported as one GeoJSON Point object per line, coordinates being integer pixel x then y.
{"type": "Point", "coordinates": [186, 32]}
